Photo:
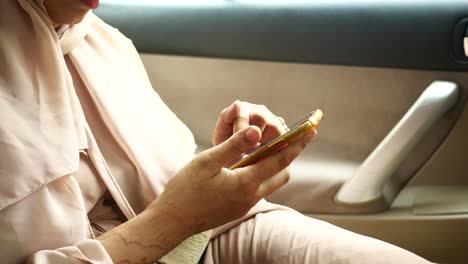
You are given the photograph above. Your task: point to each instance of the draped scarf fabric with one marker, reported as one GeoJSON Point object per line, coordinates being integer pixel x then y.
{"type": "Point", "coordinates": [38, 134]}
{"type": "Point", "coordinates": [42, 126]}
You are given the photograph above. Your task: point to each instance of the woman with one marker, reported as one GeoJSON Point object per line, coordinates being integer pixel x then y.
{"type": "Point", "coordinates": [88, 149]}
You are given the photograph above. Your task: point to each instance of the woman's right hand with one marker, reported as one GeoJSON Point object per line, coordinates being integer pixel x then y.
{"type": "Point", "coordinates": [202, 195]}
{"type": "Point", "coordinates": [205, 194]}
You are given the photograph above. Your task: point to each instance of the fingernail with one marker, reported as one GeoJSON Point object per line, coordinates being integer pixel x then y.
{"type": "Point", "coordinates": [251, 134]}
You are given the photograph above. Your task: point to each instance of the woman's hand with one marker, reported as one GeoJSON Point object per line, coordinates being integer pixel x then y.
{"type": "Point", "coordinates": [240, 115]}
{"type": "Point", "coordinates": [205, 194]}
{"type": "Point", "coordinates": [202, 195]}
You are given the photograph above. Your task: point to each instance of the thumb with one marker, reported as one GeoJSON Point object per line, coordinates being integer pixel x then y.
{"type": "Point", "coordinates": [233, 148]}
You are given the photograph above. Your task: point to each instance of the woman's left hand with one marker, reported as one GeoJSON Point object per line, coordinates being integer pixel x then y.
{"type": "Point", "coordinates": [242, 114]}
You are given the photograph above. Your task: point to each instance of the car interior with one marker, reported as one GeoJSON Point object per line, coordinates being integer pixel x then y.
{"type": "Point", "coordinates": [391, 77]}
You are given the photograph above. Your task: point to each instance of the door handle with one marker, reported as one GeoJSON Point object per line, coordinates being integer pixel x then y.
{"type": "Point", "coordinates": [460, 41]}
{"type": "Point", "coordinates": [367, 184]}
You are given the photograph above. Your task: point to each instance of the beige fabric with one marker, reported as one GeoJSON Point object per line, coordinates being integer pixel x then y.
{"type": "Point", "coordinates": [39, 137]}
{"type": "Point", "coordinates": [282, 236]}
{"type": "Point", "coordinates": [92, 187]}
{"type": "Point", "coordinates": [39, 106]}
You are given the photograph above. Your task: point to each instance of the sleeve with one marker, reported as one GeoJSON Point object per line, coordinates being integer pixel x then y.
{"type": "Point", "coordinates": [86, 251]}
{"type": "Point", "coordinates": [49, 226]}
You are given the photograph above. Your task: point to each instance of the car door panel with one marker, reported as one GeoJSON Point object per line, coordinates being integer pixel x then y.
{"type": "Point", "coordinates": [388, 33]}
{"type": "Point", "coordinates": [361, 105]}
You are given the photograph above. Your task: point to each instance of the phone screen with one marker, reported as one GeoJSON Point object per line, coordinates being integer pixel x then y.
{"type": "Point", "coordinates": [297, 130]}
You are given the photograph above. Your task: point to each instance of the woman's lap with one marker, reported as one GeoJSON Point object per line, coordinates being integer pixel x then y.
{"type": "Point", "coordinates": [283, 236]}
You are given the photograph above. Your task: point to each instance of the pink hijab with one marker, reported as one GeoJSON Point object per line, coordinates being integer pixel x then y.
{"type": "Point", "coordinates": [40, 135]}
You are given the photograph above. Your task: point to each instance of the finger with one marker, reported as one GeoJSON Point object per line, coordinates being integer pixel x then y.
{"type": "Point", "coordinates": [232, 149]}
{"type": "Point", "coordinates": [270, 133]}
{"type": "Point", "coordinates": [314, 132]}
{"type": "Point", "coordinates": [271, 125]}
{"type": "Point", "coordinates": [259, 121]}
{"type": "Point", "coordinates": [240, 115]}
{"type": "Point", "coordinates": [232, 119]}
{"type": "Point", "coordinates": [273, 184]}
{"type": "Point", "coordinates": [270, 166]}
{"type": "Point", "coordinates": [223, 129]}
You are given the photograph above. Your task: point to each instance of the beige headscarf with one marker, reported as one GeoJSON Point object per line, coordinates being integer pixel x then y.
{"type": "Point", "coordinates": [39, 137]}
{"type": "Point", "coordinates": [38, 134]}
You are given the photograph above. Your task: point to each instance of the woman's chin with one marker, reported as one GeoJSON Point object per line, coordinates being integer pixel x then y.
{"type": "Point", "coordinates": [79, 18]}
{"type": "Point", "coordinates": [70, 20]}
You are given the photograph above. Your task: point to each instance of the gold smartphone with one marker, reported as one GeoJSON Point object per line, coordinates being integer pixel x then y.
{"type": "Point", "coordinates": [296, 131]}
